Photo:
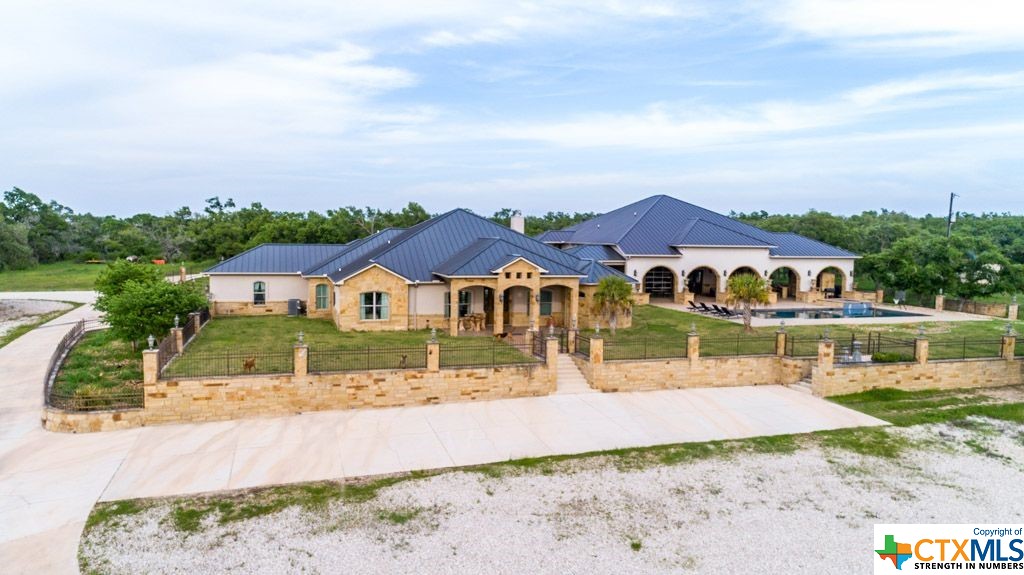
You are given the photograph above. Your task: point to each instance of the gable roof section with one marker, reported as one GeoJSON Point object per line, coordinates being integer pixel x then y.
{"type": "Point", "coordinates": [353, 252]}
{"type": "Point", "coordinates": [484, 256]}
{"type": "Point", "coordinates": [596, 252]}
{"type": "Point", "coordinates": [554, 236]}
{"type": "Point", "coordinates": [653, 225]}
{"type": "Point", "coordinates": [704, 233]}
{"type": "Point", "coordinates": [596, 271]}
{"type": "Point", "coordinates": [277, 258]}
{"type": "Point", "coordinates": [793, 245]}
{"type": "Point", "coordinates": [423, 248]}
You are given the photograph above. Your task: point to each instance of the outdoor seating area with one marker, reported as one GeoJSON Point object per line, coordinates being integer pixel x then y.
{"type": "Point", "coordinates": [714, 309]}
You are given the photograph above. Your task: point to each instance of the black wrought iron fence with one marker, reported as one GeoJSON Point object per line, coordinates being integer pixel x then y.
{"type": "Point", "coordinates": [964, 348]}
{"type": "Point", "coordinates": [242, 362]}
{"type": "Point", "coordinates": [204, 316]}
{"type": "Point", "coordinates": [166, 351]}
{"type": "Point", "coordinates": [802, 346]}
{"type": "Point", "coordinates": [582, 345]}
{"type": "Point", "coordinates": [326, 360]}
{"type": "Point", "coordinates": [487, 353]}
{"type": "Point", "coordinates": [540, 346]}
{"type": "Point", "coordinates": [86, 397]}
{"type": "Point", "coordinates": [738, 345]}
{"type": "Point", "coordinates": [880, 343]}
{"type": "Point", "coordinates": [57, 357]}
{"type": "Point", "coordinates": [190, 329]}
{"type": "Point", "coordinates": [646, 348]}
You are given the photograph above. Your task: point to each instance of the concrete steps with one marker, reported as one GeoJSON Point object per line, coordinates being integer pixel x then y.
{"type": "Point", "coordinates": [804, 385]}
{"type": "Point", "coordinates": [570, 379]}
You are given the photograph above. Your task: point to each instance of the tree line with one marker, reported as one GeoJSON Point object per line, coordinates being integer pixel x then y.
{"type": "Point", "coordinates": [984, 255]}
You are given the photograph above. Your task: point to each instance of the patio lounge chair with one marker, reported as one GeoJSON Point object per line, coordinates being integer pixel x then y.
{"type": "Point", "coordinates": [704, 308]}
{"type": "Point", "coordinates": [731, 312]}
{"type": "Point", "coordinates": [720, 311]}
{"type": "Point", "coordinates": [693, 306]}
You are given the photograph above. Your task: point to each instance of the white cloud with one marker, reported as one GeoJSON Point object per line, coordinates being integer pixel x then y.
{"type": "Point", "coordinates": [690, 126]}
{"type": "Point", "coordinates": [919, 25]}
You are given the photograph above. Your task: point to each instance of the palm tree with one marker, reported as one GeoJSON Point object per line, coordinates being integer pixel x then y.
{"type": "Point", "coordinates": [614, 295]}
{"type": "Point", "coordinates": [747, 290]}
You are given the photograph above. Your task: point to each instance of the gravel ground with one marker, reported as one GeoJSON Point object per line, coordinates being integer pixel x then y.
{"type": "Point", "coordinates": [810, 511]}
{"type": "Point", "coordinates": [19, 312]}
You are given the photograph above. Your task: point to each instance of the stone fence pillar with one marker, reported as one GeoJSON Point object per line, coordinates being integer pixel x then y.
{"type": "Point", "coordinates": [150, 369]}
{"type": "Point", "coordinates": [597, 350]}
{"type": "Point", "coordinates": [879, 296]}
{"type": "Point", "coordinates": [1011, 312]}
{"type": "Point", "coordinates": [826, 354]}
{"type": "Point", "coordinates": [433, 356]}
{"type": "Point", "coordinates": [921, 350]}
{"type": "Point", "coordinates": [551, 357]}
{"type": "Point", "coordinates": [1009, 346]}
{"type": "Point", "coordinates": [301, 352]}
{"type": "Point", "coordinates": [780, 343]}
{"type": "Point", "coordinates": [693, 348]}
{"type": "Point", "coordinates": [182, 274]}
{"type": "Point", "coordinates": [570, 340]}
{"type": "Point", "coordinates": [179, 339]}
{"type": "Point", "coordinates": [940, 302]}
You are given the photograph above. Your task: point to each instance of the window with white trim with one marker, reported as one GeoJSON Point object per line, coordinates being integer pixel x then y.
{"type": "Point", "coordinates": [374, 305]}
{"type": "Point", "coordinates": [259, 293]}
{"type": "Point", "coordinates": [322, 300]}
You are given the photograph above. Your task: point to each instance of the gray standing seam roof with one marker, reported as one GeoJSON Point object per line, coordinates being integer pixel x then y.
{"type": "Point", "coordinates": [596, 252]}
{"type": "Point", "coordinates": [484, 256]}
{"type": "Point", "coordinates": [277, 258]}
{"type": "Point", "coordinates": [653, 225]}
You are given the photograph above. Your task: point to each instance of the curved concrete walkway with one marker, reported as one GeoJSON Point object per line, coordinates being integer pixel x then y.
{"type": "Point", "coordinates": [50, 481]}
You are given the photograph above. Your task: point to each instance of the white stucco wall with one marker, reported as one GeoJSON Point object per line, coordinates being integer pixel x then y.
{"type": "Point", "coordinates": [239, 287]}
{"type": "Point", "coordinates": [729, 259]}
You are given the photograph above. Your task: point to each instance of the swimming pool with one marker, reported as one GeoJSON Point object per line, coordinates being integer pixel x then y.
{"type": "Point", "coordinates": [830, 313]}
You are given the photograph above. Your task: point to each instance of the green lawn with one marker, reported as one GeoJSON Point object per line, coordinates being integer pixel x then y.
{"type": "Point", "coordinates": [100, 372]}
{"type": "Point", "coordinates": [68, 276]}
{"type": "Point", "coordinates": [663, 327]}
{"type": "Point", "coordinates": [225, 345]}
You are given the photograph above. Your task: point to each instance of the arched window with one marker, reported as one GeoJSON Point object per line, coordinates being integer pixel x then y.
{"type": "Point", "coordinates": [259, 293]}
{"type": "Point", "coordinates": [321, 297]}
{"type": "Point", "coordinates": [374, 305]}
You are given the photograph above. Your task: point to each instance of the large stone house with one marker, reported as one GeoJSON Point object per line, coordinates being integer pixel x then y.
{"type": "Point", "coordinates": [677, 250]}
{"type": "Point", "coordinates": [457, 272]}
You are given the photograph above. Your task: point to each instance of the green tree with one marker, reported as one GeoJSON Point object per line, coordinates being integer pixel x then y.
{"type": "Point", "coordinates": [747, 290]}
{"type": "Point", "coordinates": [15, 253]}
{"type": "Point", "coordinates": [613, 296]}
{"type": "Point", "coordinates": [115, 277]}
{"type": "Point", "coordinates": [142, 309]}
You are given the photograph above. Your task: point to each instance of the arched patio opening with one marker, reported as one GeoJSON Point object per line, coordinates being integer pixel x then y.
{"type": "Point", "coordinates": [702, 281]}
{"type": "Point", "coordinates": [830, 281]}
{"type": "Point", "coordinates": [785, 282]}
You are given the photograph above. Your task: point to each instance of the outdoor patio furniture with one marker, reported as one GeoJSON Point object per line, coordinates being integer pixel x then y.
{"type": "Point", "coordinates": [719, 310]}
{"type": "Point", "coordinates": [704, 308]}
{"type": "Point", "coordinates": [693, 306]}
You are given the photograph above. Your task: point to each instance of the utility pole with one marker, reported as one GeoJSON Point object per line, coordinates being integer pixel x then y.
{"type": "Point", "coordinates": [949, 218]}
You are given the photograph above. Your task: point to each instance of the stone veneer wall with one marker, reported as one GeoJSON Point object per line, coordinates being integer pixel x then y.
{"type": "Point", "coordinates": [86, 422]}
{"type": "Point", "coordinates": [940, 374]}
{"type": "Point", "coordinates": [979, 308]}
{"type": "Point", "coordinates": [373, 279]}
{"type": "Point", "coordinates": [223, 308]}
{"type": "Point", "coordinates": [646, 375]}
{"type": "Point", "coordinates": [214, 399]}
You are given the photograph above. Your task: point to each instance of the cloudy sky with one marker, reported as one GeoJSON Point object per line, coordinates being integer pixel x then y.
{"type": "Point", "coordinates": [121, 107]}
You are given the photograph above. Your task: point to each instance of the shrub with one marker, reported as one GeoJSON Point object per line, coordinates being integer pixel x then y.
{"type": "Point", "coordinates": [891, 357]}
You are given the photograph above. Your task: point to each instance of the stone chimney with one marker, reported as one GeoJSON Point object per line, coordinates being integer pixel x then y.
{"type": "Point", "coordinates": [518, 222]}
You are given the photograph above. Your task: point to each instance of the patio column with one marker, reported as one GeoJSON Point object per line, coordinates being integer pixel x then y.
{"type": "Point", "coordinates": [498, 307]}
{"type": "Point", "coordinates": [453, 310]}
{"type": "Point", "coordinates": [574, 308]}
{"type": "Point", "coordinates": [535, 308]}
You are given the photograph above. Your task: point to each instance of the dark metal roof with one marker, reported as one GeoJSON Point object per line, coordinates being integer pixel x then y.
{"type": "Point", "coordinates": [353, 252]}
{"type": "Point", "coordinates": [554, 236]}
{"type": "Point", "coordinates": [595, 271]}
{"type": "Point", "coordinates": [423, 248]}
{"type": "Point", "coordinates": [595, 252]}
{"type": "Point", "coordinates": [655, 224]}
{"type": "Point", "coordinates": [484, 256]}
{"type": "Point", "coordinates": [277, 258]}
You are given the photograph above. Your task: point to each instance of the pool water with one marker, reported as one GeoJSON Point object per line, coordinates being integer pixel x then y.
{"type": "Point", "coordinates": [829, 313]}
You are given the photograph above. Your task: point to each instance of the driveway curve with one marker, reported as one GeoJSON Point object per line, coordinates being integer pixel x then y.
{"type": "Point", "coordinates": [50, 481]}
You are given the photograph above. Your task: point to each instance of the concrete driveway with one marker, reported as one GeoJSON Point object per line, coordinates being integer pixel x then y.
{"type": "Point", "coordinates": [50, 481]}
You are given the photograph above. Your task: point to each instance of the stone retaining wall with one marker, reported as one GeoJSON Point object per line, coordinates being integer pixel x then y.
{"type": "Point", "coordinates": [990, 309]}
{"type": "Point", "coordinates": [213, 399]}
{"type": "Point", "coordinates": [86, 422]}
{"type": "Point", "coordinates": [645, 375]}
{"type": "Point", "coordinates": [940, 374]}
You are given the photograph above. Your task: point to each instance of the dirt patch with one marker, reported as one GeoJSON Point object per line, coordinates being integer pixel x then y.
{"type": "Point", "coordinates": [14, 313]}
